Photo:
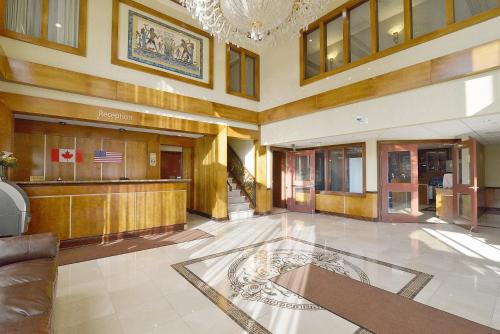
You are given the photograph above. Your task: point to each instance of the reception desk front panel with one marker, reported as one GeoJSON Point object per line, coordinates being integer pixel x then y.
{"type": "Point", "coordinates": [94, 209]}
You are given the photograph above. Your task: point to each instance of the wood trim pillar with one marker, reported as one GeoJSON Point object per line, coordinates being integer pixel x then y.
{"type": "Point", "coordinates": [262, 193]}
{"type": "Point", "coordinates": [6, 128]}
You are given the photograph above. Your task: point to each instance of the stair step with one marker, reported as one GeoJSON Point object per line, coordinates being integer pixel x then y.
{"type": "Point", "coordinates": [238, 207]}
{"type": "Point", "coordinates": [236, 199]}
{"type": "Point", "coordinates": [244, 214]}
{"type": "Point", "coordinates": [233, 193]}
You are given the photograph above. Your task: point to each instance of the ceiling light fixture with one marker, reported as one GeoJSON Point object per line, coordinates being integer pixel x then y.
{"type": "Point", "coordinates": [254, 22]}
{"type": "Point", "coordinates": [58, 25]}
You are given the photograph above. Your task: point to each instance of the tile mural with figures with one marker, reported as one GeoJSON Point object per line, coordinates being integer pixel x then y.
{"type": "Point", "coordinates": [157, 44]}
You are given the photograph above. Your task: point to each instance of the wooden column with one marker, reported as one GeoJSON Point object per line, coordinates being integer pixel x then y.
{"type": "Point", "coordinates": [263, 194]}
{"type": "Point", "coordinates": [6, 128]}
{"type": "Point", "coordinates": [210, 175]}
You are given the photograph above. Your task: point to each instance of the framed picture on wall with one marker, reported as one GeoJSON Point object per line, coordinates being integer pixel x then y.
{"type": "Point", "coordinates": [150, 41]}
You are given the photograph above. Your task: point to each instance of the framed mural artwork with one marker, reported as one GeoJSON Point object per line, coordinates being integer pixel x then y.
{"type": "Point", "coordinates": [147, 40]}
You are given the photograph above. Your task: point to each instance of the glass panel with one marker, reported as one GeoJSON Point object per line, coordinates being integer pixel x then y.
{"type": "Point", "coordinates": [354, 170]}
{"type": "Point", "coordinates": [302, 168]}
{"type": "Point", "coordinates": [464, 206]}
{"type": "Point", "coordinates": [313, 55]}
{"type": "Point", "coordinates": [464, 165]}
{"type": "Point", "coordinates": [234, 71]}
{"type": "Point", "coordinates": [360, 38]}
{"type": "Point", "coordinates": [399, 170]}
{"type": "Point", "coordinates": [390, 23]}
{"type": "Point", "coordinates": [399, 202]}
{"type": "Point", "coordinates": [468, 8]}
{"type": "Point", "coordinates": [249, 76]}
{"type": "Point", "coordinates": [302, 196]}
{"type": "Point", "coordinates": [24, 16]}
{"type": "Point", "coordinates": [334, 44]}
{"type": "Point", "coordinates": [336, 170]}
{"type": "Point", "coordinates": [320, 171]}
{"type": "Point", "coordinates": [64, 21]}
{"type": "Point", "coordinates": [428, 16]}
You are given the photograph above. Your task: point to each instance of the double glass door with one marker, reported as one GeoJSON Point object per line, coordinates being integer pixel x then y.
{"type": "Point", "coordinates": [399, 178]}
{"type": "Point", "coordinates": [300, 181]}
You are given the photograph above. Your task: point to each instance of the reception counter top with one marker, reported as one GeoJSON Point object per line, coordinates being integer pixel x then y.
{"type": "Point", "coordinates": [90, 211]}
{"type": "Point", "coordinates": [86, 182]}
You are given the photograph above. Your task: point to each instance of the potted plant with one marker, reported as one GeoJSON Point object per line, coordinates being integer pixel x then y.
{"type": "Point", "coordinates": [6, 160]}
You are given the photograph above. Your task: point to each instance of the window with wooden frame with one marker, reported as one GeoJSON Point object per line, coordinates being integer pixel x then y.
{"type": "Point", "coordinates": [341, 169]}
{"type": "Point", "coordinates": [55, 24]}
{"type": "Point", "coordinates": [364, 30]}
{"type": "Point", "coordinates": [242, 73]}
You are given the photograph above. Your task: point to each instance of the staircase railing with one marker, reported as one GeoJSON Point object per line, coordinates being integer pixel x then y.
{"type": "Point", "coordinates": [242, 176]}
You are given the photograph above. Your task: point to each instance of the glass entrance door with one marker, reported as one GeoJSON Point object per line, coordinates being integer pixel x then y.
{"type": "Point", "coordinates": [465, 186]}
{"type": "Point", "coordinates": [399, 180]}
{"type": "Point", "coordinates": [300, 181]}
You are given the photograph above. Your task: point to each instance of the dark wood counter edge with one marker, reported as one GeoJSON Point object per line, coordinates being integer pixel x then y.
{"type": "Point", "coordinates": [69, 183]}
{"type": "Point", "coordinates": [77, 242]}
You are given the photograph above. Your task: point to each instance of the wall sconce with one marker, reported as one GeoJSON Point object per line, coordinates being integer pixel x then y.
{"type": "Point", "coordinates": [394, 32]}
{"type": "Point", "coordinates": [332, 55]}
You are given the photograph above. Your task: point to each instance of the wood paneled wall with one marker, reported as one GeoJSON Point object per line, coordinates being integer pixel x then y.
{"type": "Point", "coordinates": [210, 175]}
{"type": "Point", "coordinates": [6, 128]}
{"type": "Point", "coordinates": [492, 198]}
{"type": "Point", "coordinates": [263, 194]}
{"type": "Point", "coordinates": [364, 207]}
{"type": "Point", "coordinates": [33, 142]}
{"type": "Point", "coordinates": [187, 173]}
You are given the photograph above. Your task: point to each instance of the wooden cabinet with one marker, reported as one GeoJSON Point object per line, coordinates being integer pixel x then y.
{"type": "Point", "coordinates": [444, 203]}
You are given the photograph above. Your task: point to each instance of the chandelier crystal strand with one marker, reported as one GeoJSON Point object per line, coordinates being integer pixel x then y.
{"type": "Point", "coordinates": [254, 22]}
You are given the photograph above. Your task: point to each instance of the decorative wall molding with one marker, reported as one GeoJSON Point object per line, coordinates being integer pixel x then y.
{"type": "Point", "coordinates": [43, 76]}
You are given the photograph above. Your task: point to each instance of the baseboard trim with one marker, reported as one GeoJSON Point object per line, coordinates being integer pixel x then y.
{"type": "Point", "coordinates": [68, 243]}
{"type": "Point", "coordinates": [343, 215]}
{"type": "Point", "coordinates": [203, 214]}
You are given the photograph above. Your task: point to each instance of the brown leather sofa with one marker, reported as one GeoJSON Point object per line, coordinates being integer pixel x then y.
{"type": "Point", "coordinates": [28, 275]}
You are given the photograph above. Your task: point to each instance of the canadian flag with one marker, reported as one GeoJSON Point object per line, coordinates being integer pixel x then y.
{"type": "Point", "coordinates": [66, 155]}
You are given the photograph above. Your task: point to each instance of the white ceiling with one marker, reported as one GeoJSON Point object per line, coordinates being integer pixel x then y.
{"type": "Point", "coordinates": [106, 126]}
{"type": "Point", "coordinates": [486, 129]}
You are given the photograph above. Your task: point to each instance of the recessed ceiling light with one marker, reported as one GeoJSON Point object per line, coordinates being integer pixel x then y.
{"type": "Point", "coordinates": [310, 40]}
{"type": "Point", "coordinates": [58, 25]}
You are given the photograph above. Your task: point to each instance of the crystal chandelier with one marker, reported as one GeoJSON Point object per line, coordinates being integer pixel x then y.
{"type": "Point", "coordinates": [254, 22]}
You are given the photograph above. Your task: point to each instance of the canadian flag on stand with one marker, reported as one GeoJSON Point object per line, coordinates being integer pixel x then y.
{"type": "Point", "coordinates": [66, 155]}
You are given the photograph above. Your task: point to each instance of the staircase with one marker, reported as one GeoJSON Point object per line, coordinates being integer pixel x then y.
{"type": "Point", "coordinates": [240, 188]}
{"type": "Point", "coordinates": [238, 205]}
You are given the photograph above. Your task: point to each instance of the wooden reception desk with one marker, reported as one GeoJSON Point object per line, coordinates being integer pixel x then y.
{"type": "Point", "coordinates": [89, 211]}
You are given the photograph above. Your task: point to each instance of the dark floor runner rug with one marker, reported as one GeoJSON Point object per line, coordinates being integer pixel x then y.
{"type": "Point", "coordinates": [92, 252]}
{"type": "Point", "coordinates": [373, 309]}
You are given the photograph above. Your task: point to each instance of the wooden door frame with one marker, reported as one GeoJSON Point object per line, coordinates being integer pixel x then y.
{"type": "Point", "coordinates": [311, 184]}
{"type": "Point", "coordinates": [379, 161]}
{"type": "Point", "coordinates": [467, 189]}
{"type": "Point", "coordinates": [282, 168]}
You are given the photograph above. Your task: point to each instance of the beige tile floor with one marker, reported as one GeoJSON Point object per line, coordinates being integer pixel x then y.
{"type": "Point", "coordinates": [141, 293]}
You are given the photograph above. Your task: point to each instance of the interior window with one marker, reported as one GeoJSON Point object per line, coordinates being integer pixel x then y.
{"type": "Point", "coordinates": [468, 8]}
{"type": "Point", "coordinates": [334, 44]}
{"type": "Point", "coordinates": [336, 170]}
{"type": "Point", "coordinates": [313, 55]}
{"type": "Point", "coordinates": [359, 31]}
{"type": "Point", "coordinates": [320, 171]}
{"type": "Point", "coordinates": [24, 17]}
{"type": "Point", "coordinates": [354, 167]}
{"type": "Point", "coordinates": [64, 22]}
{"type": "Point", "coordinates": [428, 16]}
{"type": "Point", "coordinates": [390, 23]}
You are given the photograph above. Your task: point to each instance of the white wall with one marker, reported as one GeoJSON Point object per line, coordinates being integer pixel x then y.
{"type": "Point", "coordinates": [98, 59]}
{"type": "Point", "coordinates": [280, 68]}
{"type": "Point", "coordinates": [492, 163]}
{"type": "Point", "coordinates": [245, 150]}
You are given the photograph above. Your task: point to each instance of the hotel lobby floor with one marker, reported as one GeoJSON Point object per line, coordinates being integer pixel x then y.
{"type": "Point", "coordinates": [152, 291]}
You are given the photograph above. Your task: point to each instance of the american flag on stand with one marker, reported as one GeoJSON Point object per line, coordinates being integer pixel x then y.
{"type": "Point", "coordinates": [106, 157]}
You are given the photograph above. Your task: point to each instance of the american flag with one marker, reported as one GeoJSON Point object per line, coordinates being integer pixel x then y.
{"type": "Point", "coordinates": [105, 156]}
